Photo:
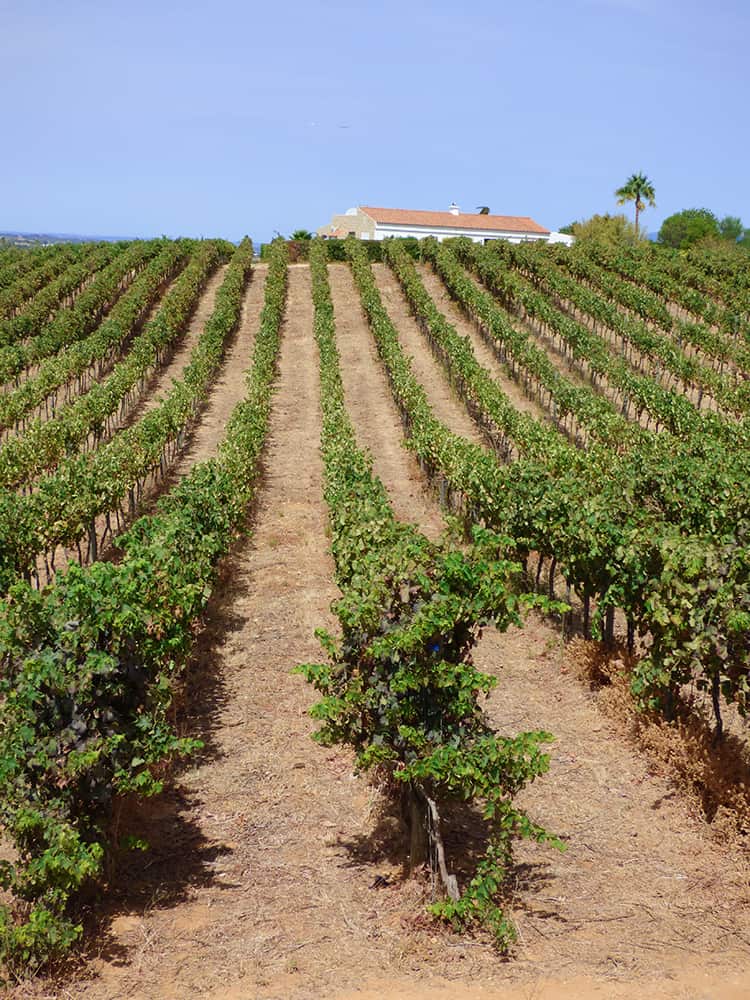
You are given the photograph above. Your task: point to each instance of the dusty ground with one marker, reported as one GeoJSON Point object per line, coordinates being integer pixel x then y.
{"type": "Point", "coordinates": [484, 353]}
{"type": "Point", "coordinates": [373, 412]}
{"type": "Point", "coordinates": [272, 874]}
{"type": "Point", "coordinates": [446, 406]}
{"type": "Point", "coordinates": [228, 389]}
{"type": "Point", "coordinates": [178, 358]}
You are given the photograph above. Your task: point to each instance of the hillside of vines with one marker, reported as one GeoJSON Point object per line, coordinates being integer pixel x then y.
{"type": "Point", "coordinates": [374, 620]}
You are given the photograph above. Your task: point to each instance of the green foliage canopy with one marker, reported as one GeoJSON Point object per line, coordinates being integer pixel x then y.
{"type": "Point", "coordinates": [699, 225]}
{"type": "Point", "coordinates": [613, 230]}
{"type": "Point", "coordinates": [685, 228]}
{"type": "Point", "coordinates": [731, 228]}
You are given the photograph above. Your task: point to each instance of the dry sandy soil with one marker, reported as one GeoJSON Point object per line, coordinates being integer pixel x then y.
{"type": "Point", "coordinates": [273, 872]}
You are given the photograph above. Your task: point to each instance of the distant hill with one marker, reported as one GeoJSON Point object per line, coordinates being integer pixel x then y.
{"type": "Point", "coordinates": [17, 239]}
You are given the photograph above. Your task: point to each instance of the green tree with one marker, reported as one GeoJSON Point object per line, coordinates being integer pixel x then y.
{"type": "Point", "coordinates": [731, 228]}
{"type": "Point", "coordinates": [639, 189]}
{"type": "Point", "coordinates": [611, 229]}
{"type": "Point", "coordinates": [301, 234]}
{"type": "Point", "coordinates": [683, 229]}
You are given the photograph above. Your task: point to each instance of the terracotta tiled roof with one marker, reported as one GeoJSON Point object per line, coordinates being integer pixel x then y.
{"type": "Point", "coordinates": [466, 220]}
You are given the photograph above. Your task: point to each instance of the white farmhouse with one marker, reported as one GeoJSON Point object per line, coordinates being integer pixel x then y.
{"type": "Point", "coordinates": [367, 223]}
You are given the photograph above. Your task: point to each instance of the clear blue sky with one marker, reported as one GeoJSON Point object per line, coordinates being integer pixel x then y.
{"type": "Point", "coordinates": [225, 117]}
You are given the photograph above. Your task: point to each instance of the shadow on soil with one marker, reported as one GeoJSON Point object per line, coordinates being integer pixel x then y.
{"type": "Point", "coordinates": [179, 858]}
{"type": "Point", "coordinates": [465, 835]}
{"type": "Point", "coordinates": [715, 775]}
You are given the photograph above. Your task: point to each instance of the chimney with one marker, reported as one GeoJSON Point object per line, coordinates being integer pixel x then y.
{"type": "Point", "coordinates": [453, 208]}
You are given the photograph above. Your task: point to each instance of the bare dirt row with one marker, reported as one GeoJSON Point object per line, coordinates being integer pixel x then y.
{"type": "Point", "coordinates": [229, 387]}
{"type": "Point", "coordinates": [484, 353]}
{"type": "Point", "coordinates": [179, 357]}
{"type": "Point", "coordinates": [373, 412]}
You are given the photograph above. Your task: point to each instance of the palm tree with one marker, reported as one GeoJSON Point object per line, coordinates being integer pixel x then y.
{"type": "Point", "coordinates": [637, 188]}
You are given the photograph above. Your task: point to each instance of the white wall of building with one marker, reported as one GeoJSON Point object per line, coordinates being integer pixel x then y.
{"type": "Point", "coordinates": [565, 238]}
{"type": "Point", "coordinates": [385, 230]}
